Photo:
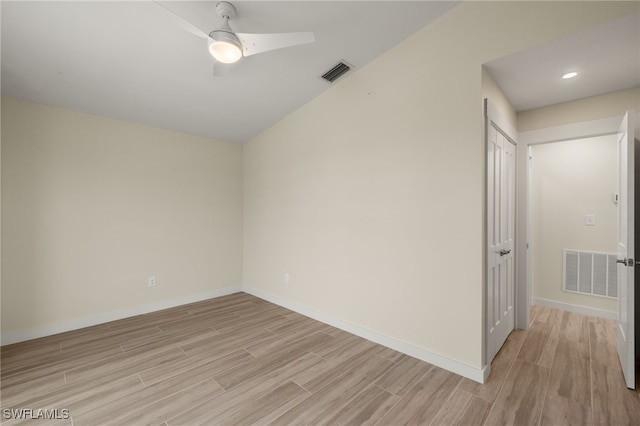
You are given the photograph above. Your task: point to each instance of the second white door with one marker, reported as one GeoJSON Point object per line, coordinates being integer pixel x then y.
{"type": "Point", "coordinates": [626, 250]}
{"type": "Point", "coordinates": [500, 238]}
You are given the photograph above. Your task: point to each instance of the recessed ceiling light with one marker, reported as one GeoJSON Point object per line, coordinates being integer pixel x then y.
{"type": "Point", "coordinates": [570, 75]}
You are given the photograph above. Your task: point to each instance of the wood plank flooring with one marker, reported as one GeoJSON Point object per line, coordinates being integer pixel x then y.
{"type": "Point", "coordinates": [239, 360]}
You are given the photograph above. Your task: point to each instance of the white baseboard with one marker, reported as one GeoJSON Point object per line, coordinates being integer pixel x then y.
{"type": "Point", "coordinates": [585, 310]}
{"type": "Point", "coordinates": [475, 374]}
{"type": "Point", "coordinates": [48, 330]}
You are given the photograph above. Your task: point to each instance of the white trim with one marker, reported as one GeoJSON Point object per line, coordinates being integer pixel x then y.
{"type": "Point", "coordinates": [475, 374]}
{"type": "Point", "coordinates": [478, 375]}
{"type": "Point", "coordinates": [527, 199]}
{"type": "Point", "coordinates": [499, 119]}
{"type": "Point", "coordinates": [49, 330]}
{"type": "Point", "coordinates": [580, 130]}
{"type": "Point", "coordinates": [524, 221]}
{"type": "Point", "coordinates": [579, 309]}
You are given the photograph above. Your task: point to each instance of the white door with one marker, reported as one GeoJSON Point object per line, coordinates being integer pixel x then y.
{"type": "Point", "coordinates": [500, 238]}
{"type": "Point", "coordinates": [626, 252]}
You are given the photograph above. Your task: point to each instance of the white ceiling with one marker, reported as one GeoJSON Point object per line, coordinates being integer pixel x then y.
{"type": "Point", "coordinates": [134, 61]}
{"type": "Point", "coordinates": [607, 58]}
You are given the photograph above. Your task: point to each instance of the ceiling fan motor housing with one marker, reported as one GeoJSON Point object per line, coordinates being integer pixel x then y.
{"type": "Point", "coordinates": [225, 9]}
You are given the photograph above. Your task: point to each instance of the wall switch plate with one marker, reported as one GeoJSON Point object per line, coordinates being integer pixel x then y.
{"type": "Point", "coordinates": [151, 282]}
{"type": "Point", "coordinates": [590, 220]}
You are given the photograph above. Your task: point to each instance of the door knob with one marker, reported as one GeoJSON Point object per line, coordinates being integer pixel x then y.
{"type": "Point", "coordinates": [628, 262]}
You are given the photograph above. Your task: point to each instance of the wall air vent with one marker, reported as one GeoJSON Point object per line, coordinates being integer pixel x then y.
{"type": "Point", "coordinates": [590, 273]}
{"type": "Point", "coordinates": [334, 73]}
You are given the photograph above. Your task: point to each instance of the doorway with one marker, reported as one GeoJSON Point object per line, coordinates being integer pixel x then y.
{"type": "Point", "coordinates": [573, 213]}
{"type": "Point", "coordinates": [595, 128]}
{"type": "Point", "coordinates": [524, 238]}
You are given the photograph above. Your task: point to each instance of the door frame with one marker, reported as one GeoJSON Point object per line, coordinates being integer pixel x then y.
{"type": "Point", "coordinates": [527, 139]}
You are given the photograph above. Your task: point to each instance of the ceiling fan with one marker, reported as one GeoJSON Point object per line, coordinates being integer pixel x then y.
{"type": "Point", "coordinates": [227, 46]}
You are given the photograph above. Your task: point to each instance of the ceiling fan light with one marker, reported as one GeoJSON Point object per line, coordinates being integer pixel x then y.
{"type": "Point", "coordinates": [225, 47]}
{"type": "Point", "coordinates": [224, 52]}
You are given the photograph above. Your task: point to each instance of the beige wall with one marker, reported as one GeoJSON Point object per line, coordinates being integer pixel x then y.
{"type": "Point", "coordinates": [569, 180]}
{"type": "Point", "coordinates": [92, 206]}
{"type": "Point", "coordinates": [609, 105]}
{"type": "Point", "coordinates": [371, 196]}
{"type": "Point", "coordinates": [491, 91]}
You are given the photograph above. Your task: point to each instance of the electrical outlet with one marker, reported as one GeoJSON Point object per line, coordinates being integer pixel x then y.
{"type": "Point", "coordinates": [151, 282]}
{"type": "Point", "coordinates": [286, 279]}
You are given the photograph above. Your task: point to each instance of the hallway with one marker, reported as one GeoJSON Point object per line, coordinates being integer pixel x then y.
{"type": "Point", "coordinates": [563, 370]}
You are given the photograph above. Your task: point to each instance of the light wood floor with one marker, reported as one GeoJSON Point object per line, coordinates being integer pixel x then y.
{"type": "Point", "coordinates": [239, 360]}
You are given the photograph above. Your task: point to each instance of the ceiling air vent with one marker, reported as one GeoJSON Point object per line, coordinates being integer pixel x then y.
{"type": "Point", "coordinates": [334, 73]}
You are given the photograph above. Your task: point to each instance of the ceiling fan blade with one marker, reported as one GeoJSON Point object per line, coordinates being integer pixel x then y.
{"type": "Point", "coordinates": [259, 43]}
{"type": "Point", "coordinates": [184, 23]}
